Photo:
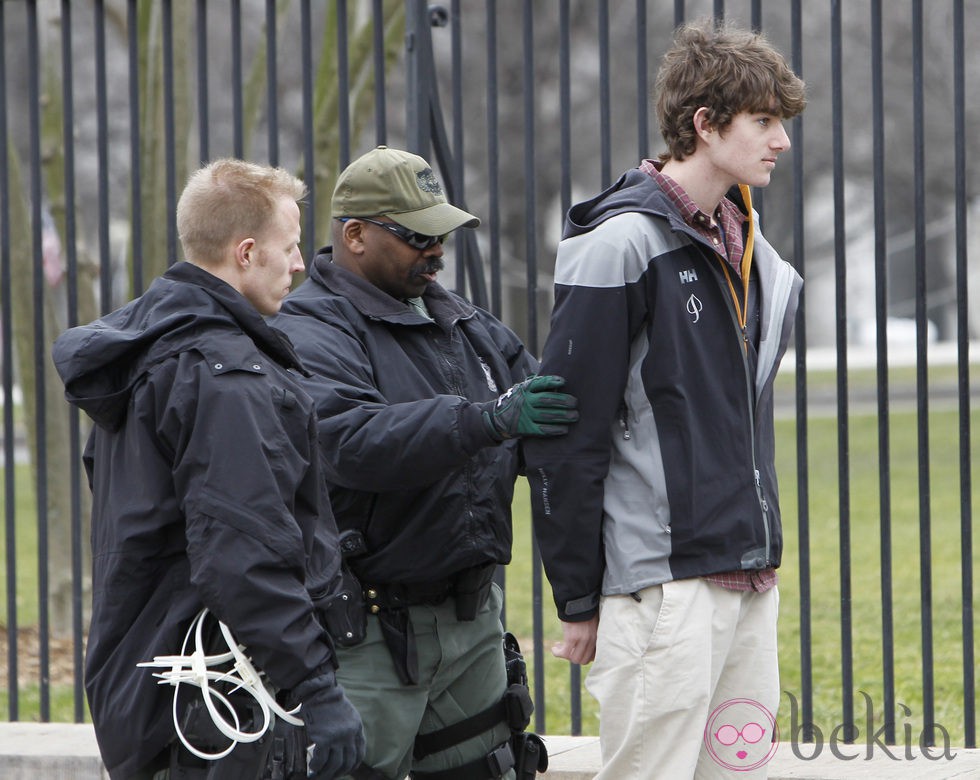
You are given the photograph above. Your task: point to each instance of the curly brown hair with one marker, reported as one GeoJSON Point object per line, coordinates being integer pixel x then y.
{"type": "Point", "coordinates": [727, 70]}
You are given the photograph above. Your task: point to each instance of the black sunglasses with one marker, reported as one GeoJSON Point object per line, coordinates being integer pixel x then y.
{"type": "Point", "coordinates": [410, 237]}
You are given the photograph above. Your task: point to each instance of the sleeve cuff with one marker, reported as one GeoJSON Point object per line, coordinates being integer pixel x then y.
{"type": "Point", "coordinates": [474, 433]}
{"type": "Point", "coordinates": [580, 609]}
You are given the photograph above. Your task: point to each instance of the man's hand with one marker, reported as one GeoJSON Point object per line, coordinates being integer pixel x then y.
{"type": "Point", "coordinates": [578, 644]}
{"type": "Point", "coordinates": [333, 727]}
{"type": "Point", "coordinates": [531, 408]}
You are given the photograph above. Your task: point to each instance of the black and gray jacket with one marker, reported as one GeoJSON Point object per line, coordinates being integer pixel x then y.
{"type": "Point", "coordinates": [407, 458]}
{"type": "Point", "coordinates": [670, 471]}
{"type": "Point", "coordinates": [207, 491]}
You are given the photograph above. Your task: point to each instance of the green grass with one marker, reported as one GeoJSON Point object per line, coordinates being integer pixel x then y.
{"type": "Point", "coordinates": [25, 510]}
{"type": "Point", "coordinates": [866, 587]}
{"type": "Point", "coordinates": [62, 700]}
{"type": "Point", "coordinates": [824, 575]}
{"type": "Point", "coordinates": [62, 703]}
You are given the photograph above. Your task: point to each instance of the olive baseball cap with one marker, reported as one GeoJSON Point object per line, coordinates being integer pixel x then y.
{"type": "Point", "coordinates": [401, 186]}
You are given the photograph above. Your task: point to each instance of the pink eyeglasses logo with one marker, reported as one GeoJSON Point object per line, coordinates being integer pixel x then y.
{"type": "Point", "coordinates": [741, 735]}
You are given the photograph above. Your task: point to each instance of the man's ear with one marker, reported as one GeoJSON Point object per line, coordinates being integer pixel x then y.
{"type": "Point", "coordinates": [702, 126]}
{"type": "Point", "coordinates": [352, 235]}
{"type": "Point", "coordinates": [244, 252]}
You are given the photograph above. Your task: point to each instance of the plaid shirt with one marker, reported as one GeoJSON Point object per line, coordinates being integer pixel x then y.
{"type": "Point", "coordinates": [726, 237]}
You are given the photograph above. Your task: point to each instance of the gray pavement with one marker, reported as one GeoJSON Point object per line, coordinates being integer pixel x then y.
{"type": "Point", "coordinates": [67, 751]}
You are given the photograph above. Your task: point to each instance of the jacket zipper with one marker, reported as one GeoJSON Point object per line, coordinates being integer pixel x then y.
{"type": "Point", "coordinates": [741, 316]}
{"type": "Point", "coordinates": [624, 421]}
{"type": "Point", "coordinates": [456, 385]}
{"type": "Point", "coordinates": [741, 309]}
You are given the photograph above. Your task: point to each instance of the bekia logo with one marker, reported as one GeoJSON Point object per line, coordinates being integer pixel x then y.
{"type": "Point", "coordinates": [741, 735]}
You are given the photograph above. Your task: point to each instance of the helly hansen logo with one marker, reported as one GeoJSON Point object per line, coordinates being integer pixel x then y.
{"type": "Point", "coordinates": [688, 276]}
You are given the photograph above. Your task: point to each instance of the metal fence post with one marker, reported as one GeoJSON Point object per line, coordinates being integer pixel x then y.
{"type": "Point", "coordinates": [418, 69]}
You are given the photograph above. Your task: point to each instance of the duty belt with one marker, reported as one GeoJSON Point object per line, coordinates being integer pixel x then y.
{"type": "Point", "coordinates": [470, 589]}
{"type": "Point", "coordinates": [398, 595]}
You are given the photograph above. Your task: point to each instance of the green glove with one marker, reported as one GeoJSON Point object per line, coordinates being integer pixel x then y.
{"type": "Point", "coordinates": [531, 408]}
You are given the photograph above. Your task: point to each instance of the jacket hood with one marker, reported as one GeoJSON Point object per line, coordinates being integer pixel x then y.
{"type": "Point", "coordinates": [634, 191]}
{"type": "Point", "coordinates": [100, 363]}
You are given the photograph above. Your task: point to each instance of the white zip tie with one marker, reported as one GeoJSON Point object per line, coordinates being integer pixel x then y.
{"type": "Point", "coordinates": [197, 669]}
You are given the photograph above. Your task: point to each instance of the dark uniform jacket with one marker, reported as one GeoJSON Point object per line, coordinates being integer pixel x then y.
{"type": "Point", "coordinates": [409, 462]}
{"type": "Point", "coordinates": [207, 492]}
{"type": "Point", "coordinates": [670, 472]}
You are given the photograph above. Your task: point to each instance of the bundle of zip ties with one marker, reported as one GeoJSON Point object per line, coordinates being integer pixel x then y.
{"type": "Point", "coordinates": [202, 671]}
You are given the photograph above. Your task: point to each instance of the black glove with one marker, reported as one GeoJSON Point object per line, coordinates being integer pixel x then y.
{"type": "Point", "coordinates": [530, 408]}
{"type": "Point", "coordinates": [334, 733]}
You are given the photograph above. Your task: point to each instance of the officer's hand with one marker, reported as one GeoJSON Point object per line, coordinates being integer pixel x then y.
{"type": "Point", "coordinates": [531, 408]}
{"type": "Point", "coordinates": [333, 728]}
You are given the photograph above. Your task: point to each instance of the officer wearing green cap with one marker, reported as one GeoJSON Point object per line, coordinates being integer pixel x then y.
{"type": "Point", "coordinates": [422, 400]}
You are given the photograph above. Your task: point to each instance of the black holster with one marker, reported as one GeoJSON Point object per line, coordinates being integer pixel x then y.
{"type": "Point", "coordinates": [246, 762]}
{"type": "Point", "coordinates": [530, 755]}
{"type": "Point", "coordinates": [514, 661]}
{"type": "Point", "coordinates": [471, 587]}
{"type": "Point", "coordinates": [344, 613]}
{"type": "Point", "coordinates": [287, 755]}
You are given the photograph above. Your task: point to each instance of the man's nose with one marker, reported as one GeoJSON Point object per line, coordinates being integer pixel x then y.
{"type": "Point", "coordinates": [782, 141]}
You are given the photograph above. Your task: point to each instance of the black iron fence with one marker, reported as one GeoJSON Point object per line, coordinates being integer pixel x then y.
{"type": "Point", "coordinates": [106, 106]}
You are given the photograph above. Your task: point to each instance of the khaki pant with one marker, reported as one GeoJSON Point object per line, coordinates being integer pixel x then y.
{"type": "Point", "coordinates": [687, 682]}
{"type": "Point", "coordinates": [461, 673]}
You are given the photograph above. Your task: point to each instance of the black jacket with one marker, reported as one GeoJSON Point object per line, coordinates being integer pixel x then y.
{"type": "Point", "coordinates": [670, 472]}
{"type": "Point", "coordinates": [408, 459]}
{"type": "Point", "coordinates": [207, 492]}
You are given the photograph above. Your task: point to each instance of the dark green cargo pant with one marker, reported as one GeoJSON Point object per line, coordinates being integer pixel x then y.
{"type": "Point", "coordinates": [461, 673]}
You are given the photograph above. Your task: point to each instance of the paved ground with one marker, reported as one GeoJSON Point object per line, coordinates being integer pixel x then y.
{"type": "Point", "coordinates": [67, 751]}
{"type": "Point", "coordinates": [577, 758]}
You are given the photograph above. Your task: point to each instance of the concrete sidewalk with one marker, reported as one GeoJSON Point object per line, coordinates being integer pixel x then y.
{"type": "Point", "coordinates": [67, 751]}
{"type": "Point", "coordinates": [577, 758]}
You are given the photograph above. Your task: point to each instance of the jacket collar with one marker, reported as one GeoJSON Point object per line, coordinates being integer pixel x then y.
{"type": "Point", "coordinates": [270, 340]}
{"type": "Point", "coordinates": [636, 191]}
{"type": "Point", "coordinates": [445, 307]}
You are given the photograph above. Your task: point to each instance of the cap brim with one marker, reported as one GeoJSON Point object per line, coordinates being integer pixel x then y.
{"type": "Point", "coordinates": [436, 220]}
